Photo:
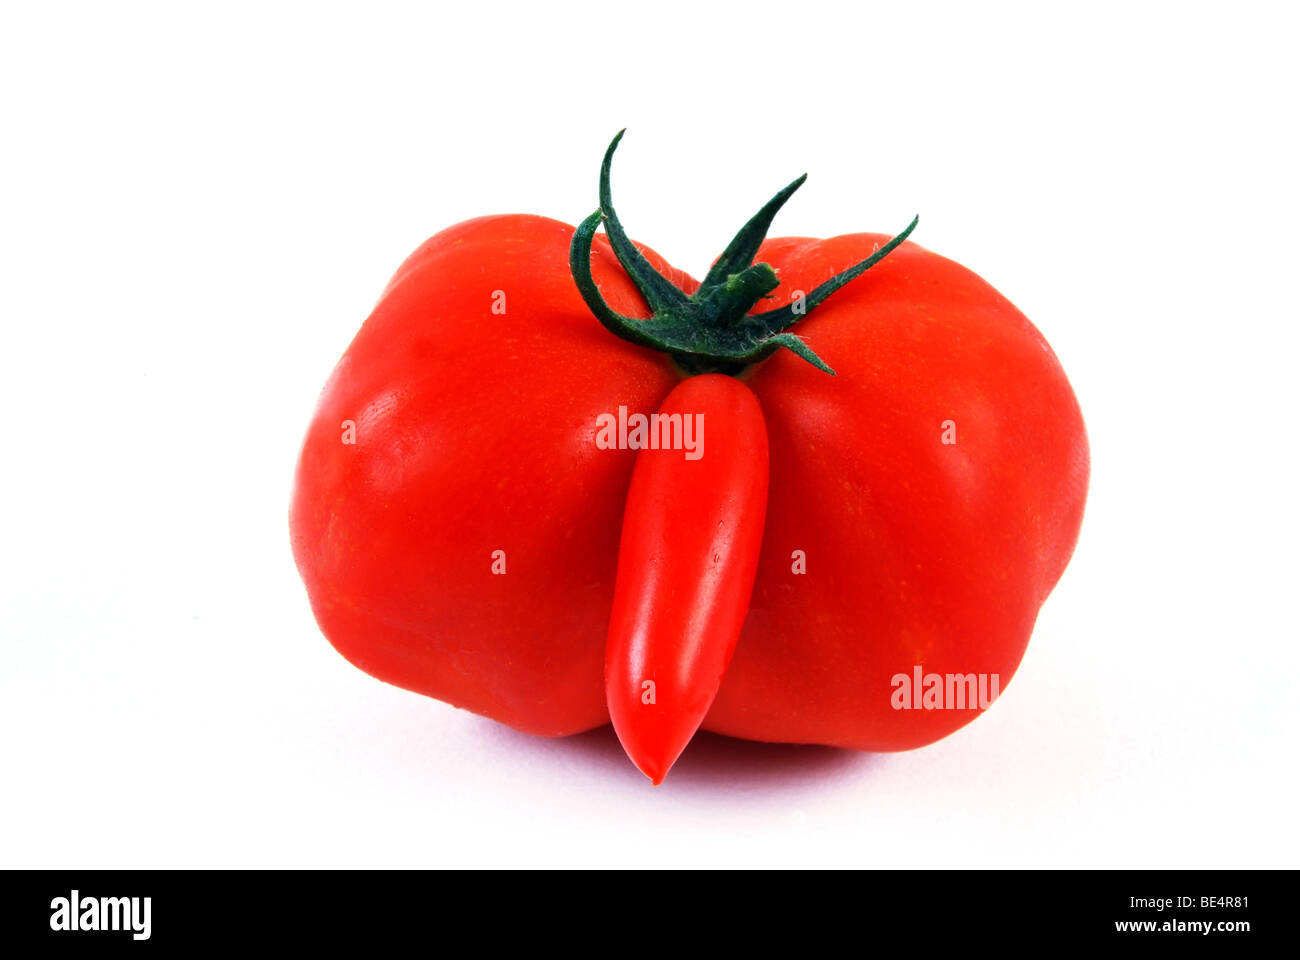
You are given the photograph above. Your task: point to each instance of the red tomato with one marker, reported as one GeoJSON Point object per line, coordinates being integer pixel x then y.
{"type": "Point", "coordinates": [475, 433]}
{"type": "Point", "coordinates": [922, 502]}
{"type": "Point", "coordinates": [919, 552]}
{"type": "Point", "coordinates": [692, 531]}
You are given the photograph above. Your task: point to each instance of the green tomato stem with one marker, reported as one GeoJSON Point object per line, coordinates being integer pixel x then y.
{"type": "Point", "coordinates": [711, 330]}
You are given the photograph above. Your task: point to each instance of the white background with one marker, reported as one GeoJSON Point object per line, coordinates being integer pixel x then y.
{"type": "Point", "coordinates": [201, 202]}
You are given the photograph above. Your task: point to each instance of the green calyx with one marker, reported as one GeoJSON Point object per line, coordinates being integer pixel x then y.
{"type": "Point", "coordinates": [711, 330]}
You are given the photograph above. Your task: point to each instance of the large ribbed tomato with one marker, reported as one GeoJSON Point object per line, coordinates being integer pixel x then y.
{"type": "Point", "coordinates": [922, 502]}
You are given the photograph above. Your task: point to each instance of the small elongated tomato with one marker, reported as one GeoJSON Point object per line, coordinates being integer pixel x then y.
{"type": "Point", "coordinates": [692, 531]}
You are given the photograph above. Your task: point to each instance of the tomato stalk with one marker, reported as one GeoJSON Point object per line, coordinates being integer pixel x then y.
{"type": "Point", "coordinates": [711, 330]}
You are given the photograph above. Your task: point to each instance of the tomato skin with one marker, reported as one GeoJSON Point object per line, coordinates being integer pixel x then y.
{"type": "Point", "coordinates": [692, 532]}
{"type": "Point", "coordinates": [475, 432]}
{"type": "Point", "coordinates": [918, 552]}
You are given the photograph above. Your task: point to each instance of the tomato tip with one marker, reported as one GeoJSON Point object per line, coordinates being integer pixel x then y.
{"type": "Point", "coordinates": [653, 772]}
